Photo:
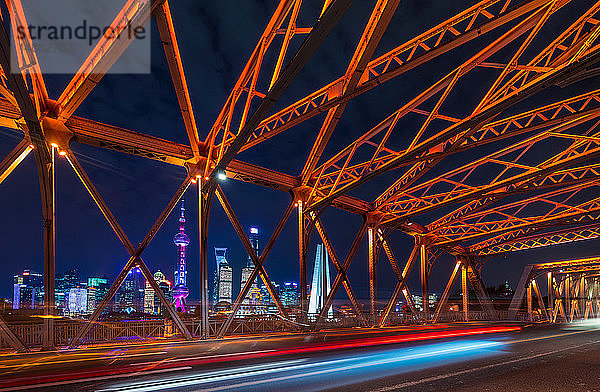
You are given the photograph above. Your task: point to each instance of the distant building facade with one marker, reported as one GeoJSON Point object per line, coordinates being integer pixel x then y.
{"type": "Point", "coordinates": [77, 302]}
{"type": "Point", "coordinates": [96, 290]}
{"type": "Point", "coordinates": [247, 272]}
{"type": "Point", "coordinates": [225, 282]}
{"type": "Point", "coordinates": [28, 290]}
{"type": "Point", "coordinates": [152, 304]}
{"type": "Point", "coordinates": [289, 294]}
{"type": "Point", "coordinates": [64, 283]}
{"type": "Point", "coordinates": [220, 257]}
{"type": "Point", "coordinates": [130, 296]}
{"type": "Point", "coordinates": [418, 301]}
{"type": "Point", "coordinates": [321, 283]}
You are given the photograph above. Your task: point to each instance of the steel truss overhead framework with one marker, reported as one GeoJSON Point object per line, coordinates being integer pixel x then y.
{"type": "Point", "coordinates": [526, 143]}
{"type": "Point", "coordinates": [573, 290]}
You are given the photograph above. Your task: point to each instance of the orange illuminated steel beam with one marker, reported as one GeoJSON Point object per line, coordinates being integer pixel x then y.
{"type": "Point", "coordinates": [361, 173]}
{"type": "Point", "coordinates": [553, 269]}
{"type": "Point", "coordinates": [385, 159]}
{"type": "Point", "coordinates": [341, 270]}
{"type": "Point", "coordinates": [559, 51]}
{"type": "Point", "coordinates": [568, 47]}
{"type": "Point", "coordinates": [168, 39]}
{"type": "Point", "coordinates": [105, 54]}
{"type": "Point", "coordinates": [112, 221]}
{"type": "Point", "coordinates": [582, 146]}
{"type": "Point", "coordinates": [343, 267]}
{"type": "Point", "coordinates": [129, 142]}
{"type": "Point", "coordinates": [26, 56]}
{"type": "Point", "coordinates": [401, 286]}
{"type": "Point", "coordinates": [309, 46]}
{"type": "Point", "coordinates": [134, 260]}
{"type": "Point", "coordinates": [556, 237]}
{"type": "Point", "coordinates": [250, 73]}
{"type": "Point", "coordinates": [255, 271]}
{"type": "Point", "coordinates": [352, 172]}
{"type": "Point", "coordinates": [510, 217]}
{"type": "Point", "coordinates": [563, 177]}
{"type": "Point", "coordinates": [376, 26]}
{"type": "Point", "coordinates": [510, 176]}
{"type": "Point", "coordinates": [13, 159]}
{"type": "Point", "coordinates": [479, 19]}
{"type": "Point", "coordinates": [45, 170]}
{"type": "Point", "coordinates": [256, 260]}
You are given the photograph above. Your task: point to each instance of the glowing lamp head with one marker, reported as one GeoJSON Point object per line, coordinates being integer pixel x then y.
{"type": "Point", "coordinates": [253, 230]}
{"type": "Point", "coordinates": [181, 239]}
{"type": "Point", "coordinates": [221, 176]}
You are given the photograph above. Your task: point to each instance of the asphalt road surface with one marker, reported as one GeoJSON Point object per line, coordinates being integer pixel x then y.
{"type": "Point", "coordinates": [452, 358]}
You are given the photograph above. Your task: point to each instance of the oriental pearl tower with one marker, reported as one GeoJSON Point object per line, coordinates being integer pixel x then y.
{"type": "Point", "coordinates": [181, 240]}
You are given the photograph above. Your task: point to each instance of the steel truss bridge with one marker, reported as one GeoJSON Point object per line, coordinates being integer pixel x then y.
{"type": "Point", "coordinates": [506, 174]}
{"type": "Point", "coordinates": [573, 290]}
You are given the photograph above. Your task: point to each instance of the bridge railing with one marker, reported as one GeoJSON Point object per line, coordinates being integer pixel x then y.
{"type": "Point", "coordinates": [144, 330]}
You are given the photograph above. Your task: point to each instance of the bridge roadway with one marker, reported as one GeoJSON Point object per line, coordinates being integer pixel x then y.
{"type": "Point", "coordinates": [458, 357]}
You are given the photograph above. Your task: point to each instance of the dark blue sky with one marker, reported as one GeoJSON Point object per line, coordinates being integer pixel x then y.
{"type": "Point", "coordinates": [216, 38]}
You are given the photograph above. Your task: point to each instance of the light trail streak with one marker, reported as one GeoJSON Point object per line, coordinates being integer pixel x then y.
{"type": "Point", "coordinates": [100, 378]}
{"type": "Point", "coordinates": [478, 369]}
{"type": "Point", "coordinates": [357, 362]}
{"type": "Point", "coordinates": [119, 356]}
{"type": "Point", "coordinates": [169, 363]}
{"type": "Point", "coordinates": [424, 355]}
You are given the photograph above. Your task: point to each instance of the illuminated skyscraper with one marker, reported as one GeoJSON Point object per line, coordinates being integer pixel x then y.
{"type": "Point", "coordinates": [225, 282]}
{"type": "Point", "coordinates": [64, 283]}
{"type": "Point", "coordinates": [321, 284]}
{"type": "Point", "coordinates": [78, 301]}
{"type": "Point", "coordinates": [254, 242]}
{"type": "Point", "coordinates": [130, 296]}
{"type": "Point", "coordinates": [249, 268]}
{"type": "Point", "coordinates": [165, 286]}
{"type": "Point", "coordinates": [289, 294]}
{"type": "Point", "coordinates": [220, 257]}
{"type": "Point", "coordinates": [151, 300]}
{"type": "Point", "coordinates": [96, 290]}
{"type": "Point", "coordinates": [28, 290]}
{"type": "Point", "coordinates": [180, 291]}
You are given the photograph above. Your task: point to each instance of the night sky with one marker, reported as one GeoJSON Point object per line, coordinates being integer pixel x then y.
{"type": "Point", "coordinates": [216, 39]}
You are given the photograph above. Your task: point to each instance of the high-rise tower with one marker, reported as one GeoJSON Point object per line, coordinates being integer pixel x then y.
{"type": "Point", "coordinates": [180, 291]}
{"type": "Point", "coordinates": [220, 258]}
{"type": "Point", "coordinates": [249, 268]}
{"type": "Point", "coordinates": [321, 283]}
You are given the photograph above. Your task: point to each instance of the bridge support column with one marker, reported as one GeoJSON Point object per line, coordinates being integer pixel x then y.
{"type": "Point", "coordinates": [442, 302]}
{"type": "Point", "coordinates": [550, 294]}
{"type": "Point", "coordinates": [540, 300]}
{"type": "Point", "coordinates": [465, 292]}
{"type": "Point", "coordinates": [479, 288]}
{"type": "Point", "coordinates": [302, 249]}
{"type": "Point", "coordinates": [567, 298]}
{"type": "Point", "coordinates": [529, 302]}
{"type": "Point", "coordinates": [46, 180]}
{"type": "Point", "coordinates": [401, 287]}
{"type": "Point", "coordinates": [372, 274]}
{"type": "Point", "coordinates": [204, 203]}
{"type": "Point", "coordinates": [424, 282]}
